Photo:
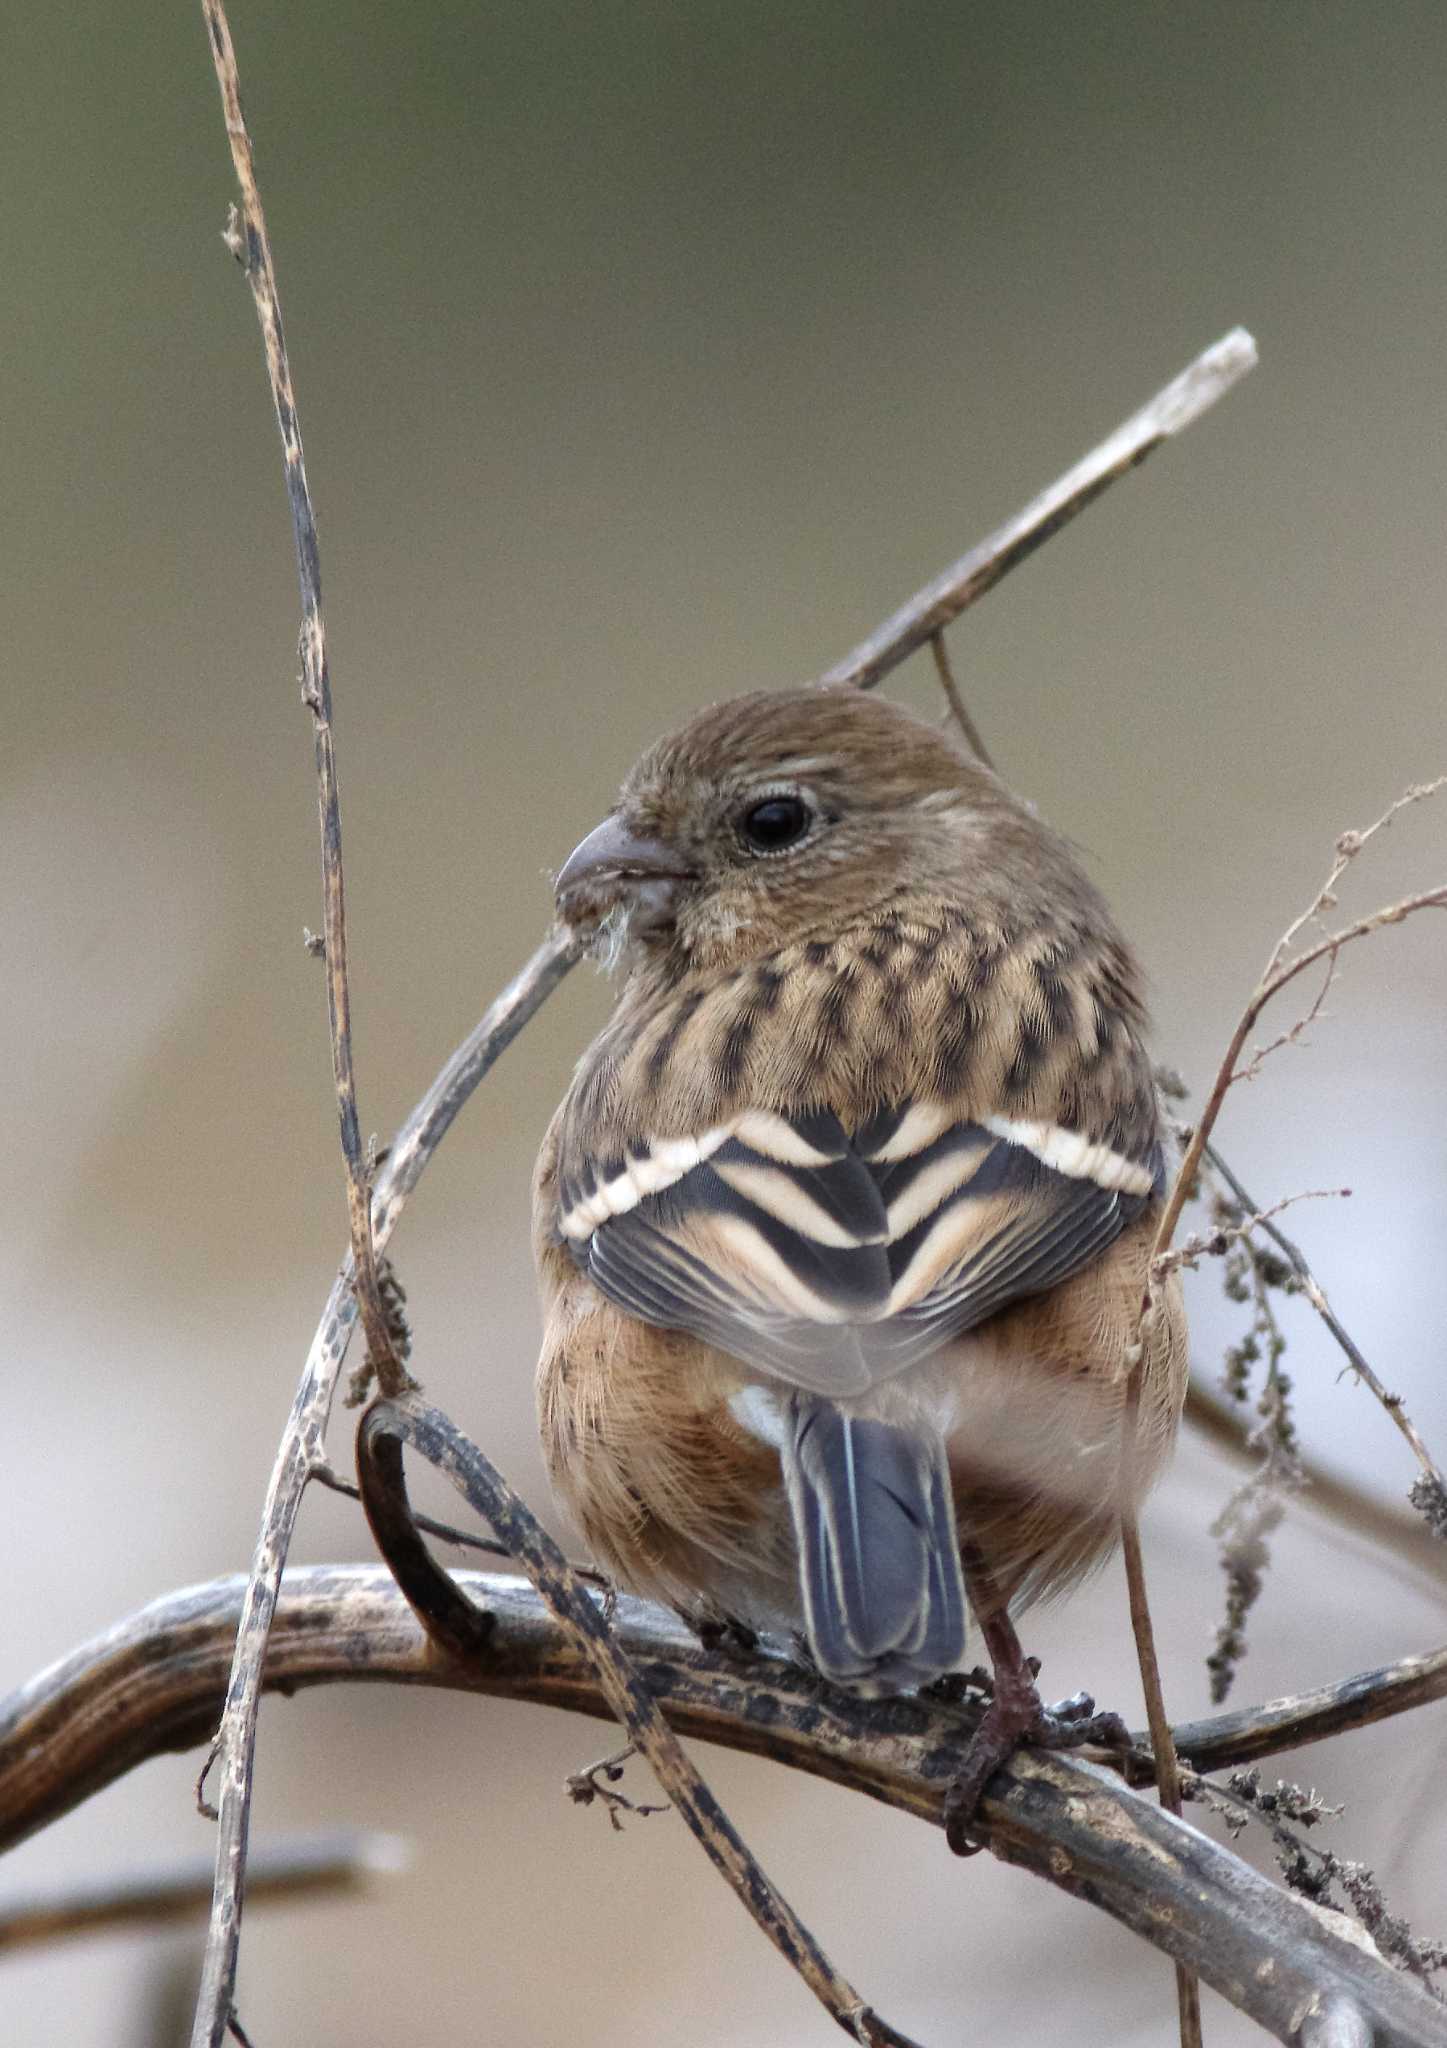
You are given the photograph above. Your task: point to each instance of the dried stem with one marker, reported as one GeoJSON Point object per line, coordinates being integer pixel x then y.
{"type": "Point", "coordinates": [248, 241]}
{"type": "Point", "coordinates": [1279, 972]}
{"type": "Point", "coordinates": [1312, 1289]}
{"type": "Point", "coordinates": [446, 1532]}
{"type": "Point", "coordinates": [925, 618]}
{"type": "Point", "coordinates": [595, 1782]}
{"type": "Point", "coordinates": [1226, 1234]}
{"type": "Point", "coordinates": [930, 610]}
{"type": "Point", "coordinates": [959, 711]}
{"type": "Point", "coordinates": [1348, 846]}
{"type": "Point", "coordinates": [1163, 1751]}
{"type": "Point", "coordinates": [1282, 968]}
{"type": "Point", "coordinates": [153, 1683]}
{"type": "Point", "coordinates": [1258, 1505]}
{"type": "Point", "coordinates": [280, 1872]}
{"type": "Point", "coordinates": [1287, 1810]}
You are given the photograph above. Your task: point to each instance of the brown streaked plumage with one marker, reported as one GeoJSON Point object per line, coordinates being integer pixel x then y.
{"type": "Point", "coordinates": [842, 1226]}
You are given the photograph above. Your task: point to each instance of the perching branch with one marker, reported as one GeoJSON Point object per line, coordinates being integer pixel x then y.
{"type": "Point", "coordinates": [1245, 1737]}
{"type": "Point", "coordinates": [153, 1684]}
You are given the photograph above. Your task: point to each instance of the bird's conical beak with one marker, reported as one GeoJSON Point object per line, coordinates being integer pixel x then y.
{"type": "Point", "coordinates": [613, 865]}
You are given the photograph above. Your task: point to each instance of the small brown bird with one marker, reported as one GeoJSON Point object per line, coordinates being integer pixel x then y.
{"type": "Point", "coordinates": [842, 1228]}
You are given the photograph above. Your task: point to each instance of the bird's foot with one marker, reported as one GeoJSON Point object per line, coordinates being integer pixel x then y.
{"type": "Point", "coordinates": [1017, 1714]}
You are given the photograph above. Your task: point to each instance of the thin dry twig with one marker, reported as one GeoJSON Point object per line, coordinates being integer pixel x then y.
{"type": "Point", "coordinates": [942, 600]}
{"type": "Point", "coordinates": [1348, 846]}
{"type": "Point", "coordinates": [1281, 969]}
{"type": "Point", "coordinates": [959, 711]}
{"type": "Point", "coordinates": [1167, 1774]}
{"type": "Point", "coordinates": [152, 1683]}
{"type": "Point", "coordinates": [247, 239]}
{"type": "Point", "coordinates": [280, 1872]}
{"type": "Point", "coordinates": [1162, 1746]}
{"type": "Point", "coordinates": [1195, 1248]}
{"type": "Point", "coordinates": [446, 1532]}
{"type": "Point", "coordinates": [1310, 1286]}
{"type": "Point", "coordinates": [249, 243]}
{"type": "Point", "coordinates": [925, 618]}
{"type": "Point", "coordinates": [597, 1782]}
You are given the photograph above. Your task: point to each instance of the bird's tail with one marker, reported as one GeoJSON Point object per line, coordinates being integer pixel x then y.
{"type": "Point", "coordinates": [884, 1597]}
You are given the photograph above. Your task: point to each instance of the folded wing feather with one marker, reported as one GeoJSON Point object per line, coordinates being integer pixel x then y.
{"type": "Point", "coordinates": [833, 1259]}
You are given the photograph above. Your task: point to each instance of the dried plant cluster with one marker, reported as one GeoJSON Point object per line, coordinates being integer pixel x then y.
{"type": "Point", "coordinates": [158, 1680]}
{"type": "Point", "coordinates": [1258, 1505]}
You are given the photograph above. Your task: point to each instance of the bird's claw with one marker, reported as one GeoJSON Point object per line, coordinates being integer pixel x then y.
{"type": "Point", "coordinates": [1003, 1727]}
{"type": "Point", "coordinates": [1071, 1723]}
{"type": "Point", "coordinates": [1018, 1715]}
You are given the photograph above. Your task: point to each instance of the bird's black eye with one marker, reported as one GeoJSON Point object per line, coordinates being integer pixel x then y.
{"type": "Point", "coordinates": [776, 823]}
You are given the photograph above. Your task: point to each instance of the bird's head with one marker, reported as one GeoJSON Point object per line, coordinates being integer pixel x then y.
{"type": "Point", "coordinates": [774, 815]}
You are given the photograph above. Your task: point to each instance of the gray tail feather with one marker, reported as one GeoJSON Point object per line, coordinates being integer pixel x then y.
{"type": "Point", "coordinates": [884, 1596]}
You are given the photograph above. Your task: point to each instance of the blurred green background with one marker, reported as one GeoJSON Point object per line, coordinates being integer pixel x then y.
{"type": "Point", "coordinates": [645, 354]}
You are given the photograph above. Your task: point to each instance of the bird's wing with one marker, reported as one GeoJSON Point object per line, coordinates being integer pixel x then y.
{"type": "Point", "coordinates": [831, 1259]}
